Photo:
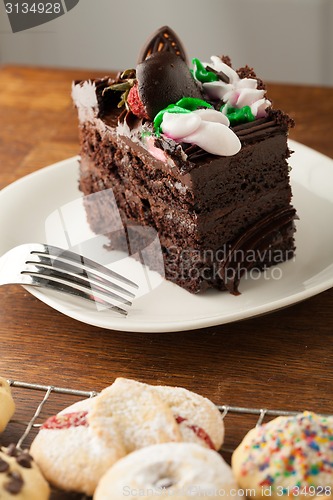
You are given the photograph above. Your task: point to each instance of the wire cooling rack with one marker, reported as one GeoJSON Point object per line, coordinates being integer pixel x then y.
{"type": "Point", "coordinates": [47, 391]}
{"type": "Point", "coordinates": [59, 398]}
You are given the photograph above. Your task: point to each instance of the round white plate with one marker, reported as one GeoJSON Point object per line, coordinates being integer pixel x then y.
{"type": "Point", "coordinates": [46, 207]}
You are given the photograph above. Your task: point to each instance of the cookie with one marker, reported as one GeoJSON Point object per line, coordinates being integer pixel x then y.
{"type": "Point", "coordinates": [70, 454]}
{"type": "Point", "coordinates": [138, 413]}
{"type": "Point", "coordinates": [288, 456]}
{"type": "Point", "coordinates": [7, 405]}
{"type": "Point", "coordinates": [20, 477]}
{"type": "Point", "coordinates": [170, 470]}
{"type": "Point", "coordinates": [198, 418]}
{"type": "Point", "coordinates": [146, 415]}
{"type": "Point", "coordinates": [77, 446]}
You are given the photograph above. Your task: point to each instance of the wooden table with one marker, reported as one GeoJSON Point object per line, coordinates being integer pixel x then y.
{"type": "Point", "coordinates": [283, 360]}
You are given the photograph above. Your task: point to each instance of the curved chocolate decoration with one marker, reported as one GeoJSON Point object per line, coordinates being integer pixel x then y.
{"type": "Point", "coordinates": [257, 238]}
{"type": "Point", "coordinates": [163, 40]}
{"type": "Point", "coordinates": [163, 79]}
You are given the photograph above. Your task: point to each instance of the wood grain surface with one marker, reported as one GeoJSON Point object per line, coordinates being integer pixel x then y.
{"type": "Point", "coordinates": [283, 360]}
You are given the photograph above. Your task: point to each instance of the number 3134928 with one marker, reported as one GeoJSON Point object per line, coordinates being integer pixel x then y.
{"type": "Point", "coordinates": [34, 8]}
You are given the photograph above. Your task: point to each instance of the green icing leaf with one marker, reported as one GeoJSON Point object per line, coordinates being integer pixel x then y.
{"type": "Point", "coordinates": [192, 103]}
{"type": "Point", "coordinates": [201, 73]}
{"type": "Point", "coordinates": [241, 115]}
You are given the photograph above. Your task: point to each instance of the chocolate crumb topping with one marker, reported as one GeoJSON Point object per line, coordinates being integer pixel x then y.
{"type": "Point", "coordinates": [15, 483]}
{"type": "Point", "coordinates": [247, 72]}
{"type": "Point", "coordinates": [4, 466]}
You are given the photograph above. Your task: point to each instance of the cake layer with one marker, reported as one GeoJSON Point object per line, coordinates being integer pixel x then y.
{"type": "Point", "coordinates": [211, 229]}
{"type": "Point", "coordinates": [148, 193]}
{"type": "Point", "coordinates": [218, 183]}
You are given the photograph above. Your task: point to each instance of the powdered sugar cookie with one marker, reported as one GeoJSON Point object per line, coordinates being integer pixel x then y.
{"type": "Point", "coordinates": [170, 470]}
{"type": "Point", "coordinates": [20, 478]}
{"type": "Point", "coordinates": [70, 454]}
{"type": "Point", "coordinates": [7, 405]}
{"type": "Point", "coordinates": [139, 414]}
{"type": "Point", "coordinates": [146, 414]}
{"type": "Point", "coordinates": [76, 447]}
{"type": "Point", "coordinates": [288, 456]}
{"type": "Point", "coordinates": [198, 418]}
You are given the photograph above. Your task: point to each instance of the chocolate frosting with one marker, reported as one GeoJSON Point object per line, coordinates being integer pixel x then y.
{"type": "Point", "coordinates": [163, 79]}
{"type": "Point", "coordinates": [257, 238]}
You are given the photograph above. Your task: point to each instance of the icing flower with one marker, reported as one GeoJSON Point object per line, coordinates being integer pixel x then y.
{"type": "Point", "coordinates": [234, 91]}
{"type": "Point", "coordinates": [204, 126]}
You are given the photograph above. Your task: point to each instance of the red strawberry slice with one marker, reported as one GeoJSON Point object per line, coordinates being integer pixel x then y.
{"type": "Point", "coordinates": [135, 103]}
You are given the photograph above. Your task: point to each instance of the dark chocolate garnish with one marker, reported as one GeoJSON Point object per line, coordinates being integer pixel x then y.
{"type": "Point", "coordinates": [163, 40]}
{"type": "Point", "coordinates": [222, 76]}
{"type": "Point", "coordinates": [163, 79]}
{"type": "Point", "coordinates": [107, 101]}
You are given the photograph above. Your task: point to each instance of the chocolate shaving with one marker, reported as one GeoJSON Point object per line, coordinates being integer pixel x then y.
{"type": "Point", "coordinates": [222, 76]}
{"type": "Point", "coordinates": [163, 40]}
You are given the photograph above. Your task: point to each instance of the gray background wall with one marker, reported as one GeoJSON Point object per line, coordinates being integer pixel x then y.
{"type": "Point", "coordinates": [284, 40]}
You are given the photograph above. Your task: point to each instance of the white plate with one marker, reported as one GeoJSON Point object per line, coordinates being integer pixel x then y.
{"type": "Point", "coordinates": [30, 207]}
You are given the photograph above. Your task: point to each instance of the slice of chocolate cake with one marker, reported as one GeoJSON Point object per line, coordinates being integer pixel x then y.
{"type": "Point", "coordinates": [199, 155]}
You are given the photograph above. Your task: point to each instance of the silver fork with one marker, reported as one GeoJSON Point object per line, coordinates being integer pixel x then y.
{"type": "Point", "coordinates": [64, 271]}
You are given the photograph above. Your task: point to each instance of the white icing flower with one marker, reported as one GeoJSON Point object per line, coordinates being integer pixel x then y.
{"type": "Point", "coordinates": [207, 128]}
{"type": "Point", "coordinates": [238, 92]}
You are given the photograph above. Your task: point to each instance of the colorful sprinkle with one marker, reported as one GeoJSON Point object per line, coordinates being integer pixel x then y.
{"type": "Point", "coordinates": [292, 452]}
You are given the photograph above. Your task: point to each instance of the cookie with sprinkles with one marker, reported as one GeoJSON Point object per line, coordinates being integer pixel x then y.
{"type": "Point", "coordinates": [288, 456]}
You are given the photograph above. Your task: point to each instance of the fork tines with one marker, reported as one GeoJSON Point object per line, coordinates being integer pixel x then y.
{"type": "Point", "coordinates": [66, 271]}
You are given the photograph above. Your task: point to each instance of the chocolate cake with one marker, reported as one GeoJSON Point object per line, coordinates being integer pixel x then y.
{"type": "Point", "coordinates": [198, 154]}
